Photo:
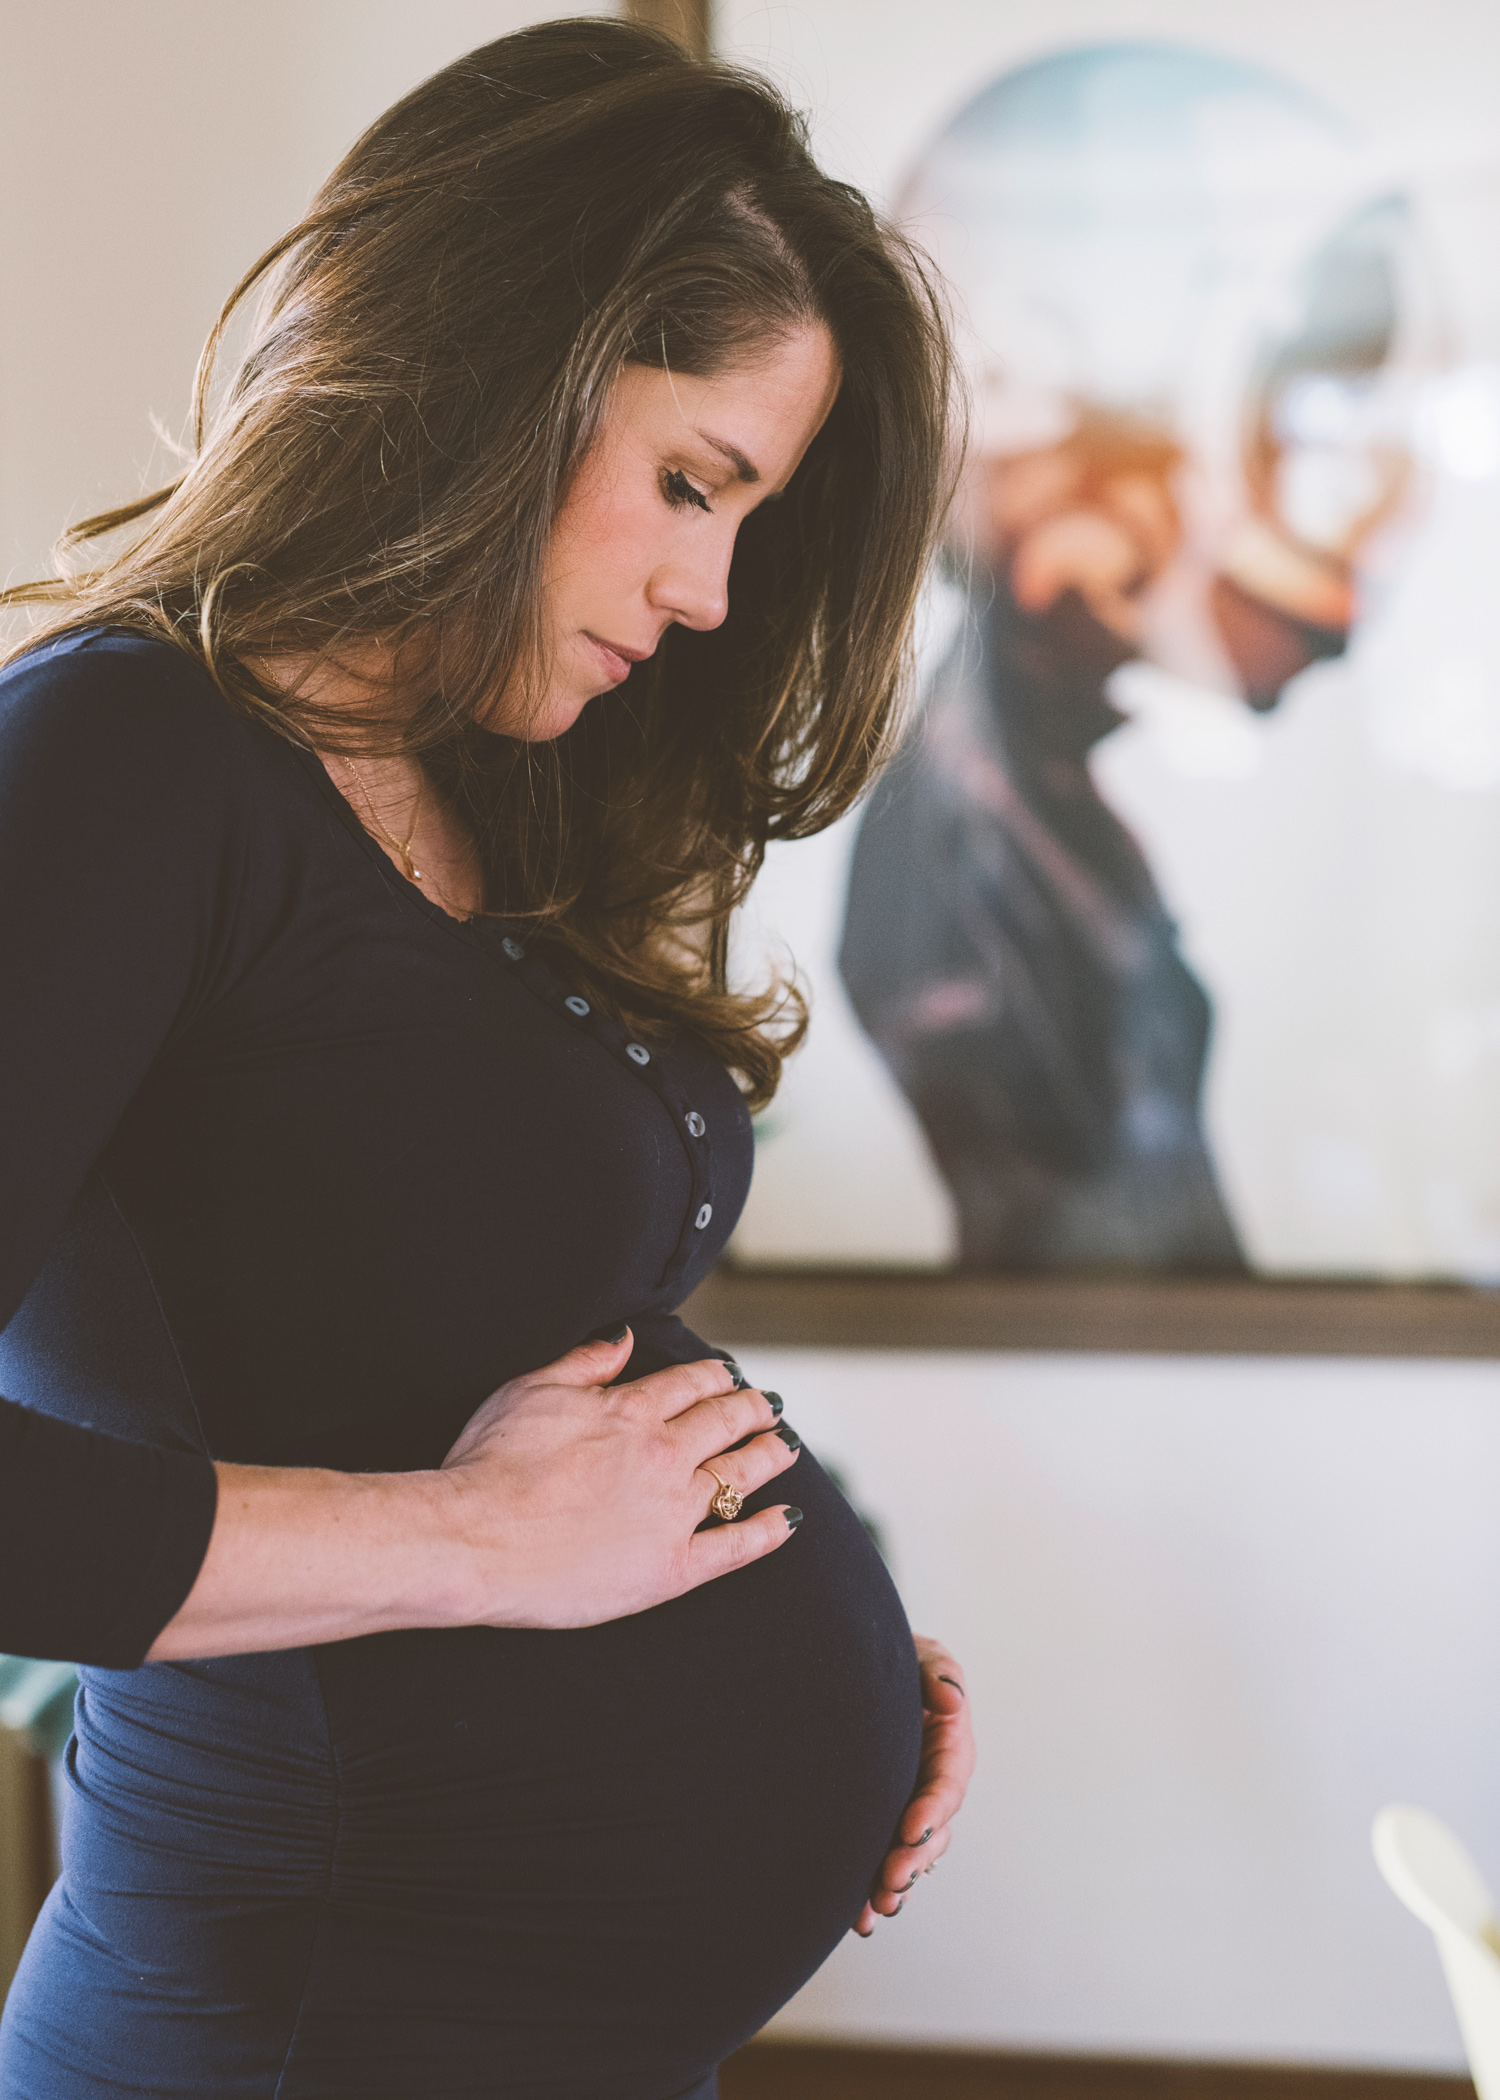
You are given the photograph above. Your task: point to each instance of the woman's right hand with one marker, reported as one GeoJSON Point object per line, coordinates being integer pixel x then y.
{"type": "Point", "coordinates": [580, 1501]}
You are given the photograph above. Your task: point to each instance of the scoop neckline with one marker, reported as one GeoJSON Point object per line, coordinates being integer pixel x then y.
{"type": "Point", "coordinates": [325, 783]}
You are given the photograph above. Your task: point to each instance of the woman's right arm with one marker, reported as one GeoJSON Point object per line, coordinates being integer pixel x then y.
{"type": "Point", "coordinates": [566, 1501]}
{"type": "Point", "coordinates": [100, 1538]}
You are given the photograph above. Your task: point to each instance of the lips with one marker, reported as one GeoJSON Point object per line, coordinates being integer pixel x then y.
{"type": "Point", "coordinates": [615, 657]}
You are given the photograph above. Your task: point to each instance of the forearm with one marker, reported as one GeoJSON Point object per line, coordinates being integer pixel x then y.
{"type": "Point", "coordinates": [300, 1555]}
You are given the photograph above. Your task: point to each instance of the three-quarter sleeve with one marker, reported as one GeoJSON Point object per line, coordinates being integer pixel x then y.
{"type": "Point", "coordinates": [100, 1539]}
{"type": "Point", "coordinates": [115, 845]}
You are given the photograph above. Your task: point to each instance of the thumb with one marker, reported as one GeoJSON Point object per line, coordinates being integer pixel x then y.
{"type": "Point", "coordinates": [943, 1689]}
{"type": "Point", "coordinates": [595, 1361]}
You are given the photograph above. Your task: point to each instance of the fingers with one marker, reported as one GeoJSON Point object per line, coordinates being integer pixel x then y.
{"type": "Point", "coordinates": [904, 1865]}
{"type": "Point", "coordinates": [944, 1686]}
{"type": "Point", "coordinates": [948, 1750]}
{"type": "Point", "coordinates": [730, 1546]}
{"type": "Point", "coordinates": [947, 1767]}
{"type": "Point", "coordinates": [902, 1871]}
{"type": "Point", "coordinates": [719, 1420]}
{"type": "Point", "coordinates": [889, 1903]}
{"type": "Point", "coordinates": [670, 1393]}
{"type": "Point", "coordinates": [924, 1833]}
{"type": "Point", "coordinates": [750, 1467]}
{"type": "Point", "coordinates": [591, 1363]}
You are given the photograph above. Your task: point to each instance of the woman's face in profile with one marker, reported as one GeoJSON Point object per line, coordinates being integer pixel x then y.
{"type": "Point", "coordinates": [646, 534]}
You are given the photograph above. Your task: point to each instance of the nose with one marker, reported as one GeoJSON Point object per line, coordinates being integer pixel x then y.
{"type": "Point", "coordinates": [692, 587]}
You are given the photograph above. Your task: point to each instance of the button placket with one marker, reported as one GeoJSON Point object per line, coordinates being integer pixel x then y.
{"type": "Point", "coordinates": [692, 1129]}
{"type": "Point", "coordinates": [699, 1156]}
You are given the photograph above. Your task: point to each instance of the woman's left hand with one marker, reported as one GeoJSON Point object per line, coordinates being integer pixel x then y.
{"type": "Point", "coordinates": [923, 1834]}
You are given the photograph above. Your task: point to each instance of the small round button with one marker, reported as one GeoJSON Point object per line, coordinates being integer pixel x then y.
{"type": "Point", "coordinates": [703, 1216]}
{"type": "Point", "coordinates": [638, 1053]}
{"type": "Point", "coordinates": [513, 948]}
{"type": "Point", "coordinates": [695, 1123]}
{"type": "Point", "coordinates": [575, 1005]}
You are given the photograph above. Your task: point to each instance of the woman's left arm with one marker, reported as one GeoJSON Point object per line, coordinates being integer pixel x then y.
{"type": "Point", "coordinates": [948, 1754]}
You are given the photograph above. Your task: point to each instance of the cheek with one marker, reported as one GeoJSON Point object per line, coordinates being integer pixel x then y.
{"type": "Point", "coordinates": [603, 546]}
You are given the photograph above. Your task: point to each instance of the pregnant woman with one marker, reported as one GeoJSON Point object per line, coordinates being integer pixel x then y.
{"type": "Point", "coordinates": [370, 829]}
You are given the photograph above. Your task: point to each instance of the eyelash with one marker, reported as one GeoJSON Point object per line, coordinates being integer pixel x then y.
{"type": "Point", "coordinates": [680, 493]}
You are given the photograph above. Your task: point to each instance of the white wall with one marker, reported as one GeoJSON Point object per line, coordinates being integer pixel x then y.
{"type": "Point", "coordinates": [1421, 75]}
{"type": "Point", "coordinates": [1215, 1614]}
{"type": "Point", "coordinates": [148, 154]}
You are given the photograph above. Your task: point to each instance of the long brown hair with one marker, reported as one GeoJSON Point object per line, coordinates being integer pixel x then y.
{"type": "Point", "coordinates": [433, 347]}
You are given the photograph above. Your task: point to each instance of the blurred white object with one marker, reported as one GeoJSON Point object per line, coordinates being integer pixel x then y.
{"type": "Point", "coordinates": [1434, 1877]}
{"type": "Point", "coordinates": [1193, 729]}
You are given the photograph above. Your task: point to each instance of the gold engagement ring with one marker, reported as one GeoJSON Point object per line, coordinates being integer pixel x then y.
{"type": "Point", "coordinates": [728, 1502]}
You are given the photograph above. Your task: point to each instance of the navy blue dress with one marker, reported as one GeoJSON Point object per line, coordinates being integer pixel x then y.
{"type": "Point", "coordinates": [298, 1169]}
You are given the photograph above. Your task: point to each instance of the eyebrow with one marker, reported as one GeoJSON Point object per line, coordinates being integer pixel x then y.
{"type": "Point", "coordinates": [746, 469]}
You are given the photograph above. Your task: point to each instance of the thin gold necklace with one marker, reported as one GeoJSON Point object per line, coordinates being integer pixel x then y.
{"type": "Point", "coordinates": [401, 846]}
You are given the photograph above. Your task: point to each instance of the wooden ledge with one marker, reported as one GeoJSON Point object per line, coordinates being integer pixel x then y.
{"type": "Point", "coordinates": [1183, 1315]}
{"type": "Point", "coordinates": [813, 2071]}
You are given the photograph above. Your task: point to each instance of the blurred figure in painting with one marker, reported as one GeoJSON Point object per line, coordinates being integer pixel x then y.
{"type": "Point", "coordinates": [1134, 493]}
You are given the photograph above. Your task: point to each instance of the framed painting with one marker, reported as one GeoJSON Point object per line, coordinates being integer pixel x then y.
{"type": "Point", "coordinates": [1168, 949]}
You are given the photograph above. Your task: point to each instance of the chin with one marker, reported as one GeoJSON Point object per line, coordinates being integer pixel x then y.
{"type": "Point", "coordinates": [557, 718]}
{"type": "Point", "coordinates": [554, 718]}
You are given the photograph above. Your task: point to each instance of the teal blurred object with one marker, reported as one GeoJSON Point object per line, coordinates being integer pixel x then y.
{"type": "Point", "coordinates": [36, 1700]}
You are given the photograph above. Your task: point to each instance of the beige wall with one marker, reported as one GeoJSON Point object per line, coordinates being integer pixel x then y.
{"type": "Point", "coordinates": [149, 150]}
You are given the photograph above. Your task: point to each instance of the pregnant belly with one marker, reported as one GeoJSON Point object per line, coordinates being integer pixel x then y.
{"type": "Point", "coordinates": [510, 1863]}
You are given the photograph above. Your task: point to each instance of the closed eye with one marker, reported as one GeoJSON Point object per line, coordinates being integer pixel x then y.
{"type": "Point", "coordinates": [680, 493]}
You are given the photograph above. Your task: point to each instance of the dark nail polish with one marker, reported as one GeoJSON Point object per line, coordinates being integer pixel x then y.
{"type": "Point", "coordinates": [913, 1882]}
{"type": "Point", "coordinates": [789, 1436]}
{"type": "Point", "coordinates": [926, 1834]}
{"type": "Point", "coordinates": [740, 1380]}
{"type": "Point", "coordinates": [900, 1906]}
{"type": "Point", "coordinates": [955, 1684]}
{"type": "Point", "coordinates": [611, 1335]}
{"type": "Point", "coordinates": [793, 1519]}
{"type": "Point", "coordinates": [774, 1401]}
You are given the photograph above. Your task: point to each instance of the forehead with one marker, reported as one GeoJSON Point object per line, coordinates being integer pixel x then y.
{"type": "Point", "coordinates": [756, 415]}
